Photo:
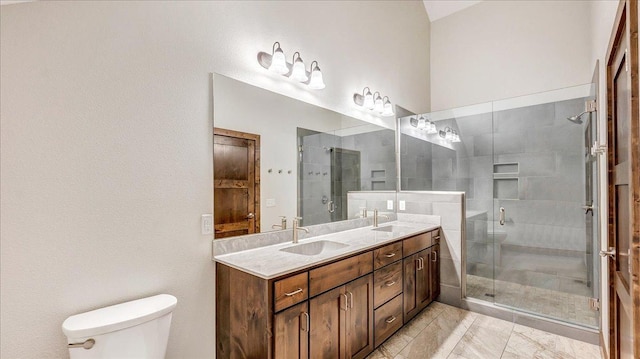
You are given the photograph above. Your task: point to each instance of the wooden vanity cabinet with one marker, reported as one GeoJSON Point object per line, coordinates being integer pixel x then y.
{"type": "Point", "coordinates": [291, 332]}
{"type": "Point", "coordinates": [342, 309]}
{"type": "Point", "coordinates": [342, 321]}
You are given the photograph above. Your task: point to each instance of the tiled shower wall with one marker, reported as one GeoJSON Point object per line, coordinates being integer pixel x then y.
{"type": "Point", "coordinates": [543, 197]}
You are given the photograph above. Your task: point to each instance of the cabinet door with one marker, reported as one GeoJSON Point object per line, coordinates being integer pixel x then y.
{"type": "Point", "coordinates": [423, 279]}
{"type": "Point", "coordinates": [360, 317]}
{"type": "Point", "coordinates": [416, 283]}
{"type": "Point", "coordinates": [328, 327]}
{"type": "Point", "coordinates": [291, 329]}
{"type": "Point", "coordinates": [434, 272]}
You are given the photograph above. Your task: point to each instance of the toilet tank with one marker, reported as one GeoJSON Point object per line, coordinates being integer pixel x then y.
{"type": "Point", "coordinates": [135, 329]}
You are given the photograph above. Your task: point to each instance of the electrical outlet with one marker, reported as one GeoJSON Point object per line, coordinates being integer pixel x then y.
{"type": "Point", "coordinates": [402, 205]}
{"type": "Point", "coordinates": [207, 224]}
{"type": "Point", "coordinates": [390, 204]}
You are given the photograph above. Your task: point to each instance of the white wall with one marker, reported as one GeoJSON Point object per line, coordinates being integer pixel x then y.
{"type": "Point", "coordinates": [106, 142]}
{"type": "Point", "coordinates": [602, 16]}
{"type": "Point", "coordinates": [500, 49]}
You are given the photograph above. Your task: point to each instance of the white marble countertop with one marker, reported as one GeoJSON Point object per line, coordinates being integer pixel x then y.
{"type": "Point", "coordinates": [269, 261]}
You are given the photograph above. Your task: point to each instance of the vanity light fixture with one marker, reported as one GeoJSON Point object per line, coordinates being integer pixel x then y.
{"type": "Point", "coordinates": [378, 104]}
{"type": "Point", "coordinates": [424, 124]}
{"type": "Point", "coordinates": [449, 134]}
{"type": "Point", "coordinates": [296, 71]}
{"type": "Point", "coordinates": [374, 102]}
{"type": "Point", "coordinates": [316, 81]}
{"type": "Point", "coordinates": [278, 62]}
{"type": "Point", "coordinates": [388, 108]}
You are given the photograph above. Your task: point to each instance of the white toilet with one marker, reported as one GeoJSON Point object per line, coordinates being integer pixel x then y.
{"type": "Point", "coordinates": [137, 329]}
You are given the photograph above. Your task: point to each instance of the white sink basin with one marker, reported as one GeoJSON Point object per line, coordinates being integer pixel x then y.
{"type": "Point", "coordinates": [393, 228]}
{"type": "Point", "coordinates": [314, 248]}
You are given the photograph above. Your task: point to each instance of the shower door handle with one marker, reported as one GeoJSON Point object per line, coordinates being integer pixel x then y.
{"type": "Point", "coordinates": [502, 216]}
{"type": "Point", "coordinates": [611, 253]}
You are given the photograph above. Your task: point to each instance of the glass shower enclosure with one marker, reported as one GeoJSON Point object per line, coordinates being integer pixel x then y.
{"type": "Point", "coordinates": [530, 180]}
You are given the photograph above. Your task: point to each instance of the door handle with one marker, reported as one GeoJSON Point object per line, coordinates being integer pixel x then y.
{"type": "Point", "coordinates": [350, 299]}
{"type": "Point", "coordinates": [588, 209]}
{"type": "Point", "coordinates": [251, 216]}
{"type": "Point", "coordinates": [611, 253]}
{"type": "Point", "coordinates": [331, 207]}
{"type": "Point", "coordinates": [306, 315]}
{"type": "Point", "coordinates": [435, 256]}
{"type": "Point", "coordinates": [344, 302]}
{"type": "Point", "coordinates": [502, 216]}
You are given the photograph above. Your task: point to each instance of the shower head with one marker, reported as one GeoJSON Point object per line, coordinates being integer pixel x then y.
{"type": "Point", "coordinates": [576, 118]}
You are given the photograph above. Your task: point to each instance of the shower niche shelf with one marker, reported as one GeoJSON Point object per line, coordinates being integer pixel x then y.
{"type": "Point", "coordinates": [505, 180]}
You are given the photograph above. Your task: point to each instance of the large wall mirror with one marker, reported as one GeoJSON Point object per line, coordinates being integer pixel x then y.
{"type": "Point", "coordinates": [275, 156]}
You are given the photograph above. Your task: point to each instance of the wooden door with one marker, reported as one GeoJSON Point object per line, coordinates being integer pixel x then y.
{"type": "Point", "coordinates": [434, 272]}
{"type": "Point", "coordinates": [236, 177]}
{"type": "Point", "coordinates": [416, 283]}
{"type": "Point", "coordinates": [328, 330]}
{"type": "Point", "coordinates": [291, 332]}
{"type": "Point", "coordinates": [360, 317]}
{"type": "Point", "coordinates": [624, 184]}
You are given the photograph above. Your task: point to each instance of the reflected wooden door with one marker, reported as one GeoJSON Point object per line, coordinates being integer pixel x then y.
{"type": "Point", "coordinates": [624, 184]}
{"type": "Point", "coordinates": [236, 179]}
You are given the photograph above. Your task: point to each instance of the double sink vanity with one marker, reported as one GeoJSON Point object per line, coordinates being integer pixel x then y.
{"type": "Point", "coordinates": [338, 295]}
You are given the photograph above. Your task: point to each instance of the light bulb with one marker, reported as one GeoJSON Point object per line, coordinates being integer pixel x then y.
{"type": "Point", "coordinates": [278, 61]}
{"type": "Point", "coordinates": [368, 99]}
{"type": "Point", "coordinates": [456, 137]}
{"type": "Point", "coordinates": [387, 107]}
{"type": "Point", "coordinates": [298, 73]}
{"type": "Point", "coordinates": [316, 81]}
{"type": "Point", "coordinates": [378, 104]}
{"type": "Point", "coordinates": [422, 123]}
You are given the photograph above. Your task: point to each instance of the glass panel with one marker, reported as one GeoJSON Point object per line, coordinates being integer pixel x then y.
{"type": "Point", "coordinates": [541, 246]}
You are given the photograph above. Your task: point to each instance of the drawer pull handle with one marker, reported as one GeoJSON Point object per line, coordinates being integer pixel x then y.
{"type": "Point", "coordinates": [390, 255]}
{"type": "Point", "coordinates": [299, 290]}
{"type": "Point", "coordinates": [390, 320]}
{"type": "Point", "coordinates": [390, 283]}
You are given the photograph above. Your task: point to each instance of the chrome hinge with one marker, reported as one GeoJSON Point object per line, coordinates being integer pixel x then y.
{"type": "Point", "coordinates": [598, 149]}
{"type": "Point", "coordinates": [590, 106]}
{"type": "Point", "coordinates": [594, 304]}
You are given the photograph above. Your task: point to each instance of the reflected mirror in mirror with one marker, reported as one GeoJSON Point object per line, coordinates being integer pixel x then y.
{"type": "Point", "coordinates": [275, 157]}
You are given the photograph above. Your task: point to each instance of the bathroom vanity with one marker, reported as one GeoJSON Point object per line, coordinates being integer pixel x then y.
{"type": "Point", "coordinates": [333, 296]}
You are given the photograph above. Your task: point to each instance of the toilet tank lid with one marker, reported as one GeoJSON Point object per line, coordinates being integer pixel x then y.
{"type": "Point", "coordinates": [119, 316]}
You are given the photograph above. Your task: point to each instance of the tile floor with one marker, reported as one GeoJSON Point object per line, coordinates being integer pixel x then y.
{"type": "Point", "coordinates": [442, 331]}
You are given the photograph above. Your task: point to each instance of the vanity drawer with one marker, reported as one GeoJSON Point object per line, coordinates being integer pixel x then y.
{"type": "Point", "coordinates": [387, 254]}
{"type": "Point", "coordinates": [289, 291]}
{"type": "Point", "coordinates": [387, 283]}
{"type": "Point", "coordinates": [387, 319]}
{"type": "Point", "coordinates": [334, 274]}
{"type": "Point", "coordinates": [416, 244]}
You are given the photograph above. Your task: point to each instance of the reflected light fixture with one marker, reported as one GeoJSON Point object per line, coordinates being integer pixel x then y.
{"type": "Point", "coordinates": [378, 104]}
{"type": "Point", "coordinates": [374, 102]}
{"type": "Point", "coordinates": [298, 72]}
{"type": "Point", "coordinates": [277, 63]}
{"type": "Point", "coordinates": [316, 81]}
{"type": "Point", "coordinates": [387, 107]}
{"type": "Point", "coordinates": [422, 123]}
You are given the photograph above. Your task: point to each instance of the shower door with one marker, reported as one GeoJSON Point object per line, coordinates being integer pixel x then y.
{"type": "Point", "coordinates": [542, 186]}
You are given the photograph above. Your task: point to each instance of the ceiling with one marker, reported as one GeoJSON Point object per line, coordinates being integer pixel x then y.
{"type": "Point", "coordinates": [437, 9]}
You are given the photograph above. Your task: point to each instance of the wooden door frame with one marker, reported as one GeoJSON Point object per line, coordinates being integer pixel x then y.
{"type": "Point", "coordinates": [626, 18]}
{"type": "Point", "coordinates": [248, 136]}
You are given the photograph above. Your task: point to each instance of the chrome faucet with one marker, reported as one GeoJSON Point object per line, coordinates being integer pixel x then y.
{"type": "Point", "coordinates": [375, 217]}
{"type": "Point", "coordinates": [296, 228]}
{"type": "Point", "coordinates": [282, 225]}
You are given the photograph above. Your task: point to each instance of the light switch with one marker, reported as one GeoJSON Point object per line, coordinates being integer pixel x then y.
{"type": "Point", "coordinates": [402, 205]}
{"type": "Point", "coordinates": [207, 224]}
{"type": "Point", "coordinates": [270, 202]}
{"type": "Point", "coordinates": [390, 204]}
